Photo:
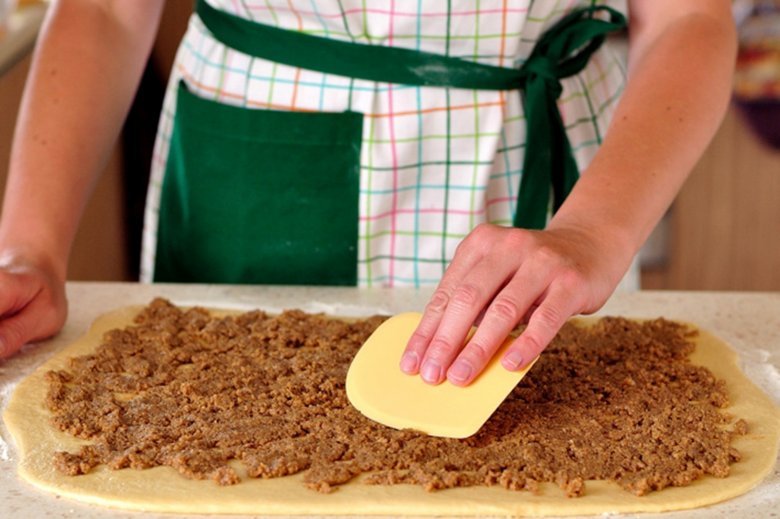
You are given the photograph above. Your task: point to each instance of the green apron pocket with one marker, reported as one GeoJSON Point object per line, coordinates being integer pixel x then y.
{"type": "Point", "coordinates": [259, 196]}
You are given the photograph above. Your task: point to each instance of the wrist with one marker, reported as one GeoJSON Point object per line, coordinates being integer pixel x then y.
{"type": "Point", "coordinates": [610, 236]}
{"type": "Point", "coordinates": [605, 208]}
{"type": "Point", "coordinates": [21, 255]}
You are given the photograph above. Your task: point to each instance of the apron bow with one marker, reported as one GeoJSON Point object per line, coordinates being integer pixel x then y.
{"type": "Point", "coordinates": [562, 51]}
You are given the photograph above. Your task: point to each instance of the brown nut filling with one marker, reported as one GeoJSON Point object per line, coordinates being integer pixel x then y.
{"type": "Point", "coordinates": [616, 401]}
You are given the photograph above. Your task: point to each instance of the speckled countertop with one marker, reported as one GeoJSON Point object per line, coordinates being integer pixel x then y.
{"type": "Point", "coordinates": [749, 322]}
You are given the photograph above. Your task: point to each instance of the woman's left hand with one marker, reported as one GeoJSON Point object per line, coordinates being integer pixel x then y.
{"type": "Point", "coordinates": [500, 277]}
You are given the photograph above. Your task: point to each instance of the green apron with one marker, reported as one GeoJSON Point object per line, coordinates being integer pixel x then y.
{"type": "Point", "coordinates": [267, 196]}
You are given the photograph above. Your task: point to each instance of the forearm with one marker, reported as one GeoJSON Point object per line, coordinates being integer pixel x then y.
{"type": "Point", "coordinates": [85, 70]}
{"type": "Point", "coordinates": [677, 92]}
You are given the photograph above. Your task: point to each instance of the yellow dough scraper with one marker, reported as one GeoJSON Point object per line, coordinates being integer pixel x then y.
{"type": "Point", "coordinates": [378, 388]}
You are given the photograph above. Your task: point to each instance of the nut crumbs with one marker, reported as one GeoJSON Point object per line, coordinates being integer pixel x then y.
{"type": "Point", "coordinates": [205, 395]}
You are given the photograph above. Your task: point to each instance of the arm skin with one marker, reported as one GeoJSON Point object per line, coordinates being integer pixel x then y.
{"type": "Point", "coordinates": [681, 59]}
{"type": "Point", "coordinates": [86, 68]}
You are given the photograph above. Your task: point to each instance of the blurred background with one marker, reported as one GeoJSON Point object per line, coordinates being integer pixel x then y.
{"type": "Point", "coordinates": [721, 233]}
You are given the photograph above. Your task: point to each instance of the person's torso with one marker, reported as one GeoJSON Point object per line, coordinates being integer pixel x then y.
{"type": "Point", "coordinates": [434, 162]}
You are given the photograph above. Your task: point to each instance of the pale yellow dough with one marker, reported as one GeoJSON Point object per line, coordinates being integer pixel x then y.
{"type": "Point", "coordinates": [163, 490]}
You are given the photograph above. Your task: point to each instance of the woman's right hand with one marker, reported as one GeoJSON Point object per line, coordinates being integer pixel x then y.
{"type": "Point", "coordinates": [32, 302]}
{"type": "Point", "coordinates": [85, 70]}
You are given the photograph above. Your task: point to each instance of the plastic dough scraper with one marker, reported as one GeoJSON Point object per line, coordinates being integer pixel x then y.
{"type": "Point", "coordinates": [378, 388]}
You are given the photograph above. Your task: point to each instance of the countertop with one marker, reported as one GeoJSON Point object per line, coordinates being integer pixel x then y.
{"type": "Point", "coordinates": [749, 322]}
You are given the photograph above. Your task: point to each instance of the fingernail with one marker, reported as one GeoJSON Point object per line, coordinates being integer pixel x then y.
{"type": "Point", "coordinates": [431, 372]}
{"type": "Point", "coordinates": [512, 360]}
{"type": "Point", "coordinates": [409, 362]}
{"type": "Point", "coordinates": [460, 371]}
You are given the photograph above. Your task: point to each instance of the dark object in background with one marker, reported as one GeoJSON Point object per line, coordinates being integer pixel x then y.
{"type": "Point", "coordinates": [139, 132]}
{"type": "Point", "coordinates": [763, 117]}
{"type": "Point", "coordinates": [757, 76]}
{"type": "Point", "coordinates": [138, 136]}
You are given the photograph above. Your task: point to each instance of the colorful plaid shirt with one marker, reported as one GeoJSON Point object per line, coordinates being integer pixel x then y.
{"type": "Point", "coordinates": [435, 162]}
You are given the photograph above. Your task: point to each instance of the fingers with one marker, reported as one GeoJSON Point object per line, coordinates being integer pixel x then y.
{"type": "Point", "coordinates": [14, 333]}
{"type": "Point", "coordinates": [41, 318]}
{"type": "Point", "coordinates": [544, 323]}
{"type": "Point", "coordinates": [500, 318]}
{"type": "Point", "coordinates": [418, 343]}
{"type": "Point", "coordinates": [466, 302]}
{"type": "Point", "coordinates": [32, 306]}
{"type": "Point", "coordinates": [469, 284]}
{"type": "Point", "coordinates": [12, 329]}
{"type": "Point", "coordinates": [14, 293]}
{"type": "Point", "coordinates": [464, 306]}
{"type": "Point", "coordinates": [414, 353]}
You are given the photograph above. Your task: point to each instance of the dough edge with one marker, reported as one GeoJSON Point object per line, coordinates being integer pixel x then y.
{"type": "Point", "coordinates": [162, 489]}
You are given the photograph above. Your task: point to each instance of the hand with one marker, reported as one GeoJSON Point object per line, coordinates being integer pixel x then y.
{"type": "Point", "coordinates": [32, 303]}
{"type": "Point", "coordinates": [501, 277]}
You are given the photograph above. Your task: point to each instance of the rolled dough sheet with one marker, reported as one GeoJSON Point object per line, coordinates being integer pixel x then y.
{"type": "Point", "coordinates": [163, 490]}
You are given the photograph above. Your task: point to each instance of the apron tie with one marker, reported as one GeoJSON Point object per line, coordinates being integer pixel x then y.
{"type": "Point", "coordinates": [562, 51]}
{"type": "Point", "coordinates": [542, 68]}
